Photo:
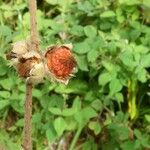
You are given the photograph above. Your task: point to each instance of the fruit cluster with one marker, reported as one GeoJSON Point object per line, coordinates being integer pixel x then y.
{"type": "Point", "coordinates": [56, 63]}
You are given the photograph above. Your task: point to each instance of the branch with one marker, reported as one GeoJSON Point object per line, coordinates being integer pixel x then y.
{"type": "Point", "coordinates": [27, 139]}
{"type": "Point", "coordinates": [33, 25]}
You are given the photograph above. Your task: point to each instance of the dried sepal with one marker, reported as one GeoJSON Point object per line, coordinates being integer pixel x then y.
{"type": "Point", "coordinates": [59, 62]}
{"type": "Point", "coordinates": [31, 68]}
{"type": "Point", "coordinates": [18, 49]}
{"type": "Point", "coordinates": [37, 74]}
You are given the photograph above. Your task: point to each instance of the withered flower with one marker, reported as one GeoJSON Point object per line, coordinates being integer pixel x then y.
{"type": "Point", "coordinates": [28, 64]}
{"type": "Point", "coordinates": [18, 49]}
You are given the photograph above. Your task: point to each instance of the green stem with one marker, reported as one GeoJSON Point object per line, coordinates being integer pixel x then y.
{"type": "Point", "coordinates": [74, 141]}
{"type": "Point", "coordinates": [132, 93]}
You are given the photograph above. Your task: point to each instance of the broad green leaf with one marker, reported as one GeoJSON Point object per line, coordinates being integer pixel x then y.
{"type": "Point", "coordinates": [147, 117]}
{"type": "Point", "coordinates": [141, 49]}
{"type": "Point", "coordinates": [52, 2]}
{"type": "Point", "coordinates": [104, 78]}
{"type": "Point", "coordinates": [92, 55]}
{"type": "Point", "coordinates": [55, 110]}
{"type": "Point", "coordinates": [97, 105]}
{"type": "Point", "coordinates": [115, 86]}
{"type": "Point", "coordinates": [128, 145]}
{"type": "Point", "coordinates": [145, 60]}
{"type": "Point", "coordinates": [119, 97]}
{"type": "Point", "coordinates": [60, 125]}
{"type": "Point", "coordinates": [108, 65]}
{"type": "Point", "coordinates": [4, 103]}
{"type": "Point", "coordinates": [82, 48]}
{"type": "Point", "coordinates": [85, 6]}
{"type": "Point", "coordinates": [95, 126]}
{"type": "Point", "coordinates": [141, 75]}
{"type": "Point", "coordinates": [138, 133]}
{"type": "Point", "coordinates": [69, 111]}
{"type": "Point", "coordinates": [83, 116]}
{"type": "Point", "coordinates": [20, 123]}
{"type": "Point", "coordinates": [6, 84]}
{"type": "Point", "coordinates": [77, 103]}
{"type": "Point", "coordinates": [5, 31]}
{"type": "Point", "coordinates": [37, 93]}
{"type": "Point", "coordinates": [127, 58]}
{"type": "Point", "coordinates": [5, 94]}
{"type": "Point", "coordinates": [77, 30]}
{"type": "Point", "coordinates": [72, 87]}
{"type": "Point", "coordinates": [107, 14]}
{"type": "Point", "coordinates": [129, 2]}
{"type": "Point", "coordinates": [71, 123]}
{"type": "Point", "coordinates": [90, 31]}
{"type": "Point", "coordinates": [36, 118]}
{"type": "Point", "coordinates": [82, 62]}
{"type": "Point", "coordinates": [51, 134]}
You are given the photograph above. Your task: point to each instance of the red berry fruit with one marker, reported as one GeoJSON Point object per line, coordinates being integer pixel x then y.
{"type": "Point", "coordinates": [60, 62]}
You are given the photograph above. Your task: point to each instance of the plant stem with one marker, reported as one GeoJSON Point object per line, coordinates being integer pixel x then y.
{"type": "Point", "coordinates": [132, 93]}
{"type": "Point", "coordinates": [74, 141]}
{"type": "Point", "coordinates": [33, 25]}
{"type": "Point", "coordinates": [27, 139]}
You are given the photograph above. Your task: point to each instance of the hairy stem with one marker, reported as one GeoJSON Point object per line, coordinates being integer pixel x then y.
{"type": "Point", "coordinates": [27, 140]}
{"type": "Point", "coordinates": [27, 137]}
{"type": "Point", "coordinates": [33, 25]}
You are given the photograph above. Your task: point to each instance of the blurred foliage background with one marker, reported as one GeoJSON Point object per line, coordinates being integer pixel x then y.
{"type": "Point", "coordinates": [107, 105]}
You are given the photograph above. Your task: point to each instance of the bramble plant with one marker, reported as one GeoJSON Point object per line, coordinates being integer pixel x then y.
{"type": "Point", "coordinates": [106, 106]}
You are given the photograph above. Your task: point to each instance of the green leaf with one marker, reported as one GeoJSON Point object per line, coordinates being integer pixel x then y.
{"type": "Point", "coordinates": [108, 65]}
{"type": "Point", "coordinates": [129, 2]}
{"type": "Point", "coordinates": [6, 83]}
{"type": "Point", "coordinates": [81, 48]}
{"type": "Point", "coordinates": [52, 2]}
{"type": "Point", "coordinates": [82, 62]}
{"type": "Point", "coordinates": [69, 111]}
{"type": "Point", "coordinates": [83, 116]}
{"type": "Point", "coordinates": [138, 133]}
{"type": "Point", "coordinates": [4, 103]}
{"type": "Point", "coordinates": [104, 78]}
{"type": "Point", "coordinates": [97, 105]}
{"type": "Point", "coordinates": [77, 30]}
{"type": "Point", "coordinates": [107, 14]}
{"type": "Point", "coordinates": [141, 75]}
{"type": "Point", "coordinates": [115, 86]}
{"type": "Point", "coordinates": [92, 55]}
{"type": "Point", "coordinates": [5, 94]}
{"type": "Point", "coordinates": [60, 125]}
{"type": "Point", "coordinates": [128, 145]}
{"type": "Point", "coordinates": [119, 97]}
{"type": "Point", "coordinates": [51, 135]}
{"type": "Point", "coordinates": [145, 60]}
{"type": "Point", "coordinates": [37, 93]}
{"type": "Point", "coordinates": [71, 123]}
{"type": "Point", "coordinates": [147, 117]}
{"type": "Point", "coordinates": [127, 58]}
{"type": "Point", "coordinates": [90, 31]}
{"type": "Point", "coordinates": [95, 126]}
{"type": "Point", "coordinates": [20, 123]}
{"type": "Point", "coordinates": [55, 110]}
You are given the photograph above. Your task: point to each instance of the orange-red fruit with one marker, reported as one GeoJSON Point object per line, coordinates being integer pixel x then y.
{"type": "Point", "coordinates": [60, 62]}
